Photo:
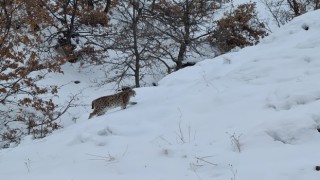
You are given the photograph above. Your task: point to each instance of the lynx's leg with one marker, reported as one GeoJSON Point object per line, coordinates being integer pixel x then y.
{"type": "Point", "coordinates": [130, 103]}
{"type": "Point", "coordinates": [133, 103]}
{"type": "Point", "coordinates": [124, 101]}
{"type": "Point", "coordinates": [95, 111]}
{"type": "Point", "coordinates": [90, 116]}
{"type": "Point", "coordinates": [92, 105]}
{"type": "Point", "coordinates": [101, 112]}
{"type": "Point", "coordinates": [124, 106]}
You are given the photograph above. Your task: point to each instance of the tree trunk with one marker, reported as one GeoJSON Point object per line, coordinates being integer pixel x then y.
{"type": "Point", "coordinates": [135, 20]}
{"type": "Point", "coordinates": [316, 4]}
{"type": "Point", "coordinates": [137, 73]}
{"type": "Point", "coordinates": [186, 37]}
{"type": "Point", "coordinates": [107, 8]}
{"type": "Point", "coordinates": [295, 6]}
{"type": "Point", "coordinates": [182, 51]}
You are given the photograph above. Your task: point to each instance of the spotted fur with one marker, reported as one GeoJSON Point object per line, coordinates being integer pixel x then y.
{"type": "Point", "coordinates": [102, 104]}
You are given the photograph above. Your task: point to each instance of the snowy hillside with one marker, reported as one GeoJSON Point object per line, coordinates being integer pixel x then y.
{"type": "Point", "coordinates": [253, 114]}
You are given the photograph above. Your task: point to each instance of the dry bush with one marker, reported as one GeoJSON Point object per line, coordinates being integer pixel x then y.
{"type": "Point", "coordinates": [239, 28]}
{"type": "Point", "coordinates": [25, 106]}
{"type": "Point", "coordinates": [26, 123]}
{"type": "Point", "coordinates": [37, 118]}
{"type": "Point", "coordinates": [94, 18]}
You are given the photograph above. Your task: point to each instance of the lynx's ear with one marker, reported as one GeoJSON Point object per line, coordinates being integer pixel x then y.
{"type": "Point", "coordinates": [123, 88]}
{"type": "Point", "coordinates": [126, 88]}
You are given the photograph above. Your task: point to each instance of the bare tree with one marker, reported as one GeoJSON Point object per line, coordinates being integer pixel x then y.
{"type": "Point", "coordinates": [278, 10]}
{"type": "Point", "coordinates": [298, 8]}
{"type": "Point", "coordinates": [133, 41]}
{"type": "Point", "coordinates": [283, 11]}
{"type": "Point", "coordinates": [184, 25]}
{"type": "Point", "coordinates": [150, 36]}
{"type": "Point", "coordinates": [80, 29]}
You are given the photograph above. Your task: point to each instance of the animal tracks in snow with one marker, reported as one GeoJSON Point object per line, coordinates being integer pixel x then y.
{"type": "Point", "coordinates": [289, 101]}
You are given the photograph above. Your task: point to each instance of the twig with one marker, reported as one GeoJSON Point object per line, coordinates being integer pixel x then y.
{"type": "Point", "coordinates": [203, 160]}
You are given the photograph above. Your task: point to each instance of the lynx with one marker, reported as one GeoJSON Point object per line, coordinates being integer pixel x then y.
{"type": "Point", "coordinates": [102, 104]}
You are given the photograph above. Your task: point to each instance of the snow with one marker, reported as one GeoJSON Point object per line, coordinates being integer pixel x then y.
{"type": "Point", "coordinates": [251, 114]}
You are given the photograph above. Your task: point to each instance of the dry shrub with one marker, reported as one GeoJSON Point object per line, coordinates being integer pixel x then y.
{"type": "Point", "coordinates": [94, 18]}
{"type": "Point", "coordinates": [239, 28]}
{"type": "Point", "coordinates": [27, 121]}
{"type": "Point", "coordinates": [68, 53]}
{"type": "Point", "coordinates": [35, 117]}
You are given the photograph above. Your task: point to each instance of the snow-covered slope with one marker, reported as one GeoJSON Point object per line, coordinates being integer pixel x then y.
{"type": "Point", "coordinates": [253, 114]}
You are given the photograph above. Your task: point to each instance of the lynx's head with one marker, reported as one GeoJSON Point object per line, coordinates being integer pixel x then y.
{"type": "Point", "coordinates": [128, 91]}
{"type": "Point", "coordinates": [131, 92]}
